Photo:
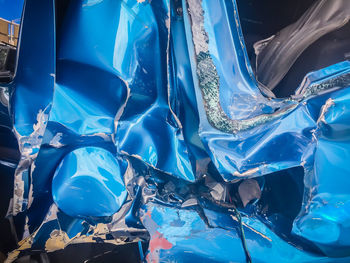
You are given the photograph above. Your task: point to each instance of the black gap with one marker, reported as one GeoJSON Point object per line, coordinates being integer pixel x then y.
{"type": "Point", "coordinates": [261, 19]}
{"type": "Point", "coordinates": [328, 50]}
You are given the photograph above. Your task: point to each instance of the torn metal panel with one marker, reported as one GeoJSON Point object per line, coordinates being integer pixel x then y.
{"type": "Point", "coordinates": [59, 231]}
{"type": "Point", "coordinates": [249, 190]}
{"type": "Point", "coordinates": [267, 122]}
{"type": "Point", "coordinates": [153, 130]}
{"type": "Point", "coordinates": [32, 81]}
{"type": "Point", "coordinates": [182, 235]}
{"type": "Point", "coordinates": [327, 198]}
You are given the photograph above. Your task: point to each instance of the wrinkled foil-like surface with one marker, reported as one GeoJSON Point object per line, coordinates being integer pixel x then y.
{"type": "Point", "coordinates": [165, 88]}
{"type": "Point", "coordinates": [320, 19]}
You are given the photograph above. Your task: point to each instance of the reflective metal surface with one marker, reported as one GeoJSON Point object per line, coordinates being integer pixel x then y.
{"type": "Point", "coordinates": [140, 122]}
{"type": "Point", "coordinates": [88, 182]}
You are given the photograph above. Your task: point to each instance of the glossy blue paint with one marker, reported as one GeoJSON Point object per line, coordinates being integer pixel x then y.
{"type": "Point", "coordinates": [117, 111]}
{"type": "Point", "coordinates": [88, 182]}
{"type": "Point", "coordinates": [34, 80]}
{"type": "Point", "coordinates": [294, 138]}
{"type": "Point", "coordinates": [179, 234]}
{"type": "Point", "coordinates": [327, 207]}
{"type": "Point", "coordinates": [32, 89]}
{"type": "Point", "coordinates": [249, 151]}
{"type": "Point", "coordinates": [131, 56]}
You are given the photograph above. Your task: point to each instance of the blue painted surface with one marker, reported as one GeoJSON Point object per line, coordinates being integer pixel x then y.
{"type": "Point", "coordinates": [252, 150]}
{"type": "Point", "coordinates": [32, 88]}
{"type": "Point", "coordinates": [179, 234]}
{"type": "Point", "coordinates": [115, 109]}
{"type": "Point", "coordinates": [88, 182]}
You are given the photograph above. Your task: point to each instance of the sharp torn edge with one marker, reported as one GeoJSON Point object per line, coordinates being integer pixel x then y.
{"type": "Point", "coordinates": [59, 239]}
{"type": "Point", "coordinates": [321, 118]}
{"type": "Point", "coordinates": [247, 173]}
{"type": "Point", "coordinates": [55, 141]}
{"type": "Point", "coordinates": [121, 110]}
{"type": "Point", "coordinates": [329, 103]}
{"type": "Point", "coordinates": [168, 26]}
{"type": "Point", "coordinates": [29, 148]}
{"type": "Point", "coordinates": [208, 79]}
{"type": "Point", "coordinates": [136, 156]}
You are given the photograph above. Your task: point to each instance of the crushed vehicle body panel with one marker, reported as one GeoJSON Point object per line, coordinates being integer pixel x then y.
{"type": "Point", "coordinates": [144, 123]}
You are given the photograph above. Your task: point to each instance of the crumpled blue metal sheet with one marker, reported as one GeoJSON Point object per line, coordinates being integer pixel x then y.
{"type": "Point", "coordinates": [182, 234]}
{"type": "Point", "coordinates": [166, 88]}
{"type": "Point", "coordinates": [238, 142]}
{"type": "Point", "coordinates": [294, 134]}
{"type": "Point", "coordinates": [34, 81]}
{"type": "Point", "coordinates": [96, 187]}
{"type": "Point", "coordinates": [326, 203]}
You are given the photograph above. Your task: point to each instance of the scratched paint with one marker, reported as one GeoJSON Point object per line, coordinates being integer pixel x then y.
{"type": "Point", "coordinates": [156, 120]}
